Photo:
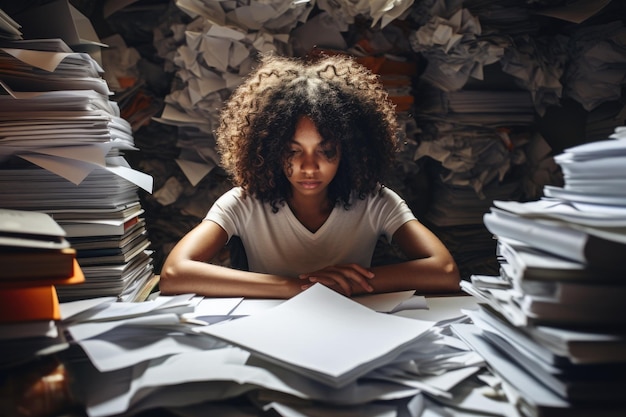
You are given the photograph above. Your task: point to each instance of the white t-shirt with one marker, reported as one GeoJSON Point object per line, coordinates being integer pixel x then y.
{"type": "Point", "coordinates": [278, 243]}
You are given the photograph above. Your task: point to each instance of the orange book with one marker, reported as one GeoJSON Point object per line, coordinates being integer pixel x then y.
{"type": "Point", "coordinates": [29, 304]}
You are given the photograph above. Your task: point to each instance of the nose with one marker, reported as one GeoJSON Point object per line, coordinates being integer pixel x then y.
{"type": "Point", "coordinates": [309, 163]}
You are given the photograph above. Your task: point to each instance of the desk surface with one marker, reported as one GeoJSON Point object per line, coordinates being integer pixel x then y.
{"type": "Point", "coordinates": [442, 308]}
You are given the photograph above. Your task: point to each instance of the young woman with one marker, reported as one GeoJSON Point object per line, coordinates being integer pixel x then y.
{"type": "Point", "coordinates": [307, 145]}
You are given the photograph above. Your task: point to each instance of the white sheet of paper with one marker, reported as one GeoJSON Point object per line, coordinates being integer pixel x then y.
{"type": "Point", "coordinates": [109, 399]}
{"type": "Point", "coordinates": [127, 346]}
{"type": "Point", "coordinates": [120, 310]}
{"type": "Point", "coordinates": [194, 171]}
{"type": "Point", "coordinates": [70, 309]}
{"type": "Point", "coordinates": [442, 308]}
{"type": "Point", "coordinates": [138, 178]}
{"type": "Point", "coordinates": [311, 331]}
{"type": "Point", "coordinates": [45, 60]}
{"type": "Point", "coordinates": [416, 302]}
{"type": "Point", "coordinates": [385, 302]}
{"type": "Point", "coordinates": [83, 331]}
{"type": "Point", "coordinates": [368, 410]}
{"type": "Point", "coordinates": [70, 169]}
{"type": "Point", "coordinates": [249, 307]}
{"type": "Point", "coordinates": [216, 306]}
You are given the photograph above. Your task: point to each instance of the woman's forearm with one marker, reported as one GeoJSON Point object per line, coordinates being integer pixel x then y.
{"type": "Point", "coordinates": [188, 276]}
{"type": "Point", "coordinates": [427, 275]}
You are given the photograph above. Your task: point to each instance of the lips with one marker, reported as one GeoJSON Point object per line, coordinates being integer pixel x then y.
{"type": "Point", "coordinates": [309, 184]}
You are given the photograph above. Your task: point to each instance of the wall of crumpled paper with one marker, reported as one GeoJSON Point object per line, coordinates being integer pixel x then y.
{"type": "Point", "coordinates": [497, 88]}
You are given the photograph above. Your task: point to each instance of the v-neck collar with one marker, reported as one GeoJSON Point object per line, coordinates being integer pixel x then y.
{"type": "Point", "coordinates": [303, 229]}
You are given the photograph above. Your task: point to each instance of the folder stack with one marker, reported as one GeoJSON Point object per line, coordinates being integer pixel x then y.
{"type": "Point", "coordinates": [62, 152]}
{"type": "Point", "coordinates": [36, 258]}
{"type": "Point", "coordinates": [550, 324]}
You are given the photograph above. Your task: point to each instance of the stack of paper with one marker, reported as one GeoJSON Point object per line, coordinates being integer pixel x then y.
{"type": "Point", "coordinates": [62, 146]}
{"type": "Point", "coordinates": [478, 160]}
{"type": "Point", "coordinates": [583, 221]}
{"type": "Point", "coordinates": [9, 28]}
{"type": "Point", "coordinates": [36, 259]}
{"type": "Point", "coordinates": [33, 247]}
{"type": "Point", "coordinates": [270, 336]}
{"type": "Point", "coordinates": [476, 123]}
{"type": "Point", "coordinates": [494, 108]}
{"type": "Point", "coordinates": [101, 218]}
{"type": "Point", "coordinates": [553, 311]}
{"type": "Point", "coordinates": [131, 357]}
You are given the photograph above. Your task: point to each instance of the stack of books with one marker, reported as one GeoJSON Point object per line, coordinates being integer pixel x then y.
{"type": "Point", "coordinates": [550, 324]}
{"type": "Point", "coordinates": [62, 152]}
{"type": "Point", "coordinates": [35, 258]}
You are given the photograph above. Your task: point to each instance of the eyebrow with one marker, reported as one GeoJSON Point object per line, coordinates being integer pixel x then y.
{"type": "Point", "coordinates": [323, 143]}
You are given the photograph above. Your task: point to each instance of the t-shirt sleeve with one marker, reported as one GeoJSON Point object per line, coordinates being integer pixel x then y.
{"type": "Point", "coordinates": [228, 212]}
{"type": "Point", "coordinates": [392, 212]}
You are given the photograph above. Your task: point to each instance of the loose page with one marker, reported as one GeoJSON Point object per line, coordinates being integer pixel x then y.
{"type": "Point", "coordinates": [323, 335]}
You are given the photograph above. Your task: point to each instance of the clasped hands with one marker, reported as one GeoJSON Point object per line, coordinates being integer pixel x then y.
{"type": "Point", "coordinates": [345, 279]}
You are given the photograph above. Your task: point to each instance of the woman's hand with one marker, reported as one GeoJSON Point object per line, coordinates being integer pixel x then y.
{"type": "Point", "coordinates": [342, 278]}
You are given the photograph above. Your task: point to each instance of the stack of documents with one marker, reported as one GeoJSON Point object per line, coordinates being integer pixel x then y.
{"type": "Point", "coordinates": [584, 221]}
{"type": "Point", "coordinates": [478, 159]}
{"type": "Point", "coordinates": [270, 336]}
{"type": "Point", "coordinates": [476, 138]}
{"type": "Point", "coordinates": [552, 315]}
{"type": "Point", "coordinates": [478, 107]}
{"type": "Point", "coordinates": [476, 123]}
{"type": "Point", "coordinates": [34, 247]}
{"type": "Point", "coordinates": [36, 259]}
{"type": "Point", "coordinates": [102, 220]}
{"type": "Point", "coordinates": [9, 28]}
{"type": "Point", "coordinates": [62, 146]}
{"type": "Point", "coordinates": [318, 348]}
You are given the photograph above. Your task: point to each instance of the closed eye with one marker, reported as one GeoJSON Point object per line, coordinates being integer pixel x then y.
{"type": "Point", "coordinates": [329, 153]}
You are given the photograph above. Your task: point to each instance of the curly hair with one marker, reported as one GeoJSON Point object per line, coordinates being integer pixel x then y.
{"type": "Point", "coordinates": [347, 104]}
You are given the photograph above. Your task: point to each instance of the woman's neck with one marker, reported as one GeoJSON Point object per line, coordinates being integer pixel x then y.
{"type": "Point", "coordinates": [312, 211]}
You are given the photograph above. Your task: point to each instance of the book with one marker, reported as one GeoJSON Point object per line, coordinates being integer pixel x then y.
{"type": "Point", "coordinates": [76, 276]}
{"type": "Point", "coordinates": [30, 229]}
{"type": "Point", "coordinates": [29, 304]}
{"type": "Point", "coordinates": [26, 342]}
{"type": "Point", "coordinates": [24, 264]}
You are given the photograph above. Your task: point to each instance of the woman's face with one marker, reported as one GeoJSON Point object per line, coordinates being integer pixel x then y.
{"type": "Point", "coordinates": [311, 164]}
